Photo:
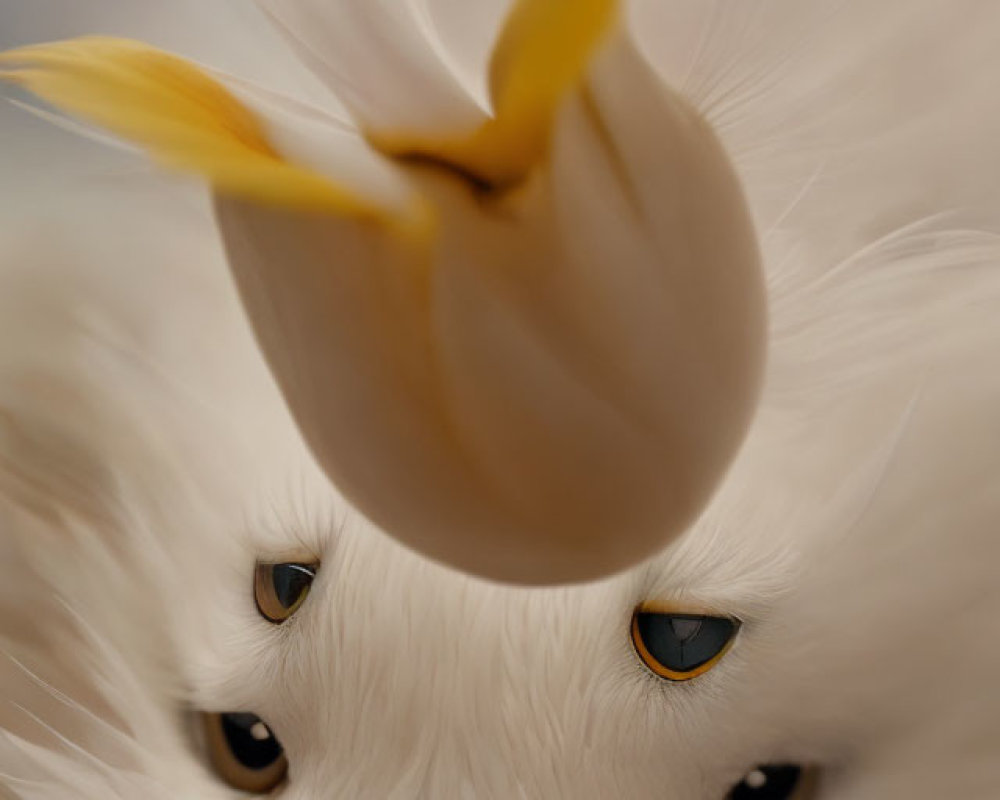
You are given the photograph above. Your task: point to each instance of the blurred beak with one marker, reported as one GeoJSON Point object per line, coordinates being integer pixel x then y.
{"type": "Point", "coordinates": [526, 343]}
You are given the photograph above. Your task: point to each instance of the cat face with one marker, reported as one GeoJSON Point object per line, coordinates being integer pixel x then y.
{"type": "Point", "coordinates": [148, 466]}
{"type": "Point", "coordinates": [143, 486]}
{"type": "Point", "coordinates": [395, 675]}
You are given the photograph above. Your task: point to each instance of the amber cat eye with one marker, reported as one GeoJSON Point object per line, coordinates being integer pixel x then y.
{"type": "Point", "coordinates": [281, 589]}
{"type": "Point", "coordinates": [680, 647]}
{"type": "Point", "coordinates": [244, 751]}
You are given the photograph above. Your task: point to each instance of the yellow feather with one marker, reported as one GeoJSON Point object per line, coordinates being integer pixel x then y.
{"type": "Point", "coordinates": [182, 117]}
{"type": "Point", "coordinates": [541, 54]}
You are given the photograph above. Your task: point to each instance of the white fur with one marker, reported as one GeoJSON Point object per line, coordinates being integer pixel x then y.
{"type": "Point", "coordinates": [146, 461]}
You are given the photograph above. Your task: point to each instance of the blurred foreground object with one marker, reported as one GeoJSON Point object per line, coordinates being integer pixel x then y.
{"type": "Point", "coordinates": [527, 343]}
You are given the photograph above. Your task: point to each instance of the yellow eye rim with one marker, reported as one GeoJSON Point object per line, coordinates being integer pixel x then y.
{"type": "Point", "coordinates": [663, 671]}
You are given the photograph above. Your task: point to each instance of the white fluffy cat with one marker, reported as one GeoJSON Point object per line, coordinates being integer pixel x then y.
{"type": "Point", "coordinates": [147, 463]}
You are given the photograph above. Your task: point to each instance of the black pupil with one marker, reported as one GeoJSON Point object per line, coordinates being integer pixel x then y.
{"type": "Point", "coordinates": [779, 783]}
{"type": "Point", "coordinates": [681, 642]}
{"type": "Point", "coordinates": [244, 736]}
{"type": "Point", "coordinates": [290, 582]}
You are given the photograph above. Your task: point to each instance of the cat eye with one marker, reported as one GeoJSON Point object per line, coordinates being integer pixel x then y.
{"type": "Point", "coordinates": [244, 751]}
{"type": "Point", "coordinates": [775, 782]}
{"type": "Point", "coordinates": [281, 589]}
{"type": "Point", "coordinates": [680, 647]}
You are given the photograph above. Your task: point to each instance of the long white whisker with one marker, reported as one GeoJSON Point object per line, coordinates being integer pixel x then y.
{"type": "Point", "coordinates": [72, 126]}
{"type": "Point", "coordinates": [69, 702]}
{"type": "Point", "coordinates": [76, 748]}
{"type": "Point", "coordinates": [801, 195]}
{"type": "Point", "coordinates": [891, 450]}
{"type": "Point", "coordinates": [894, 237]}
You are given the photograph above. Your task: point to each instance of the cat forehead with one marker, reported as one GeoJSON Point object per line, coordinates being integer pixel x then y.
{"type": "Point", "coordinates": [733, 561]}
{"type": "Point", "coordinates": [737, 558]}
